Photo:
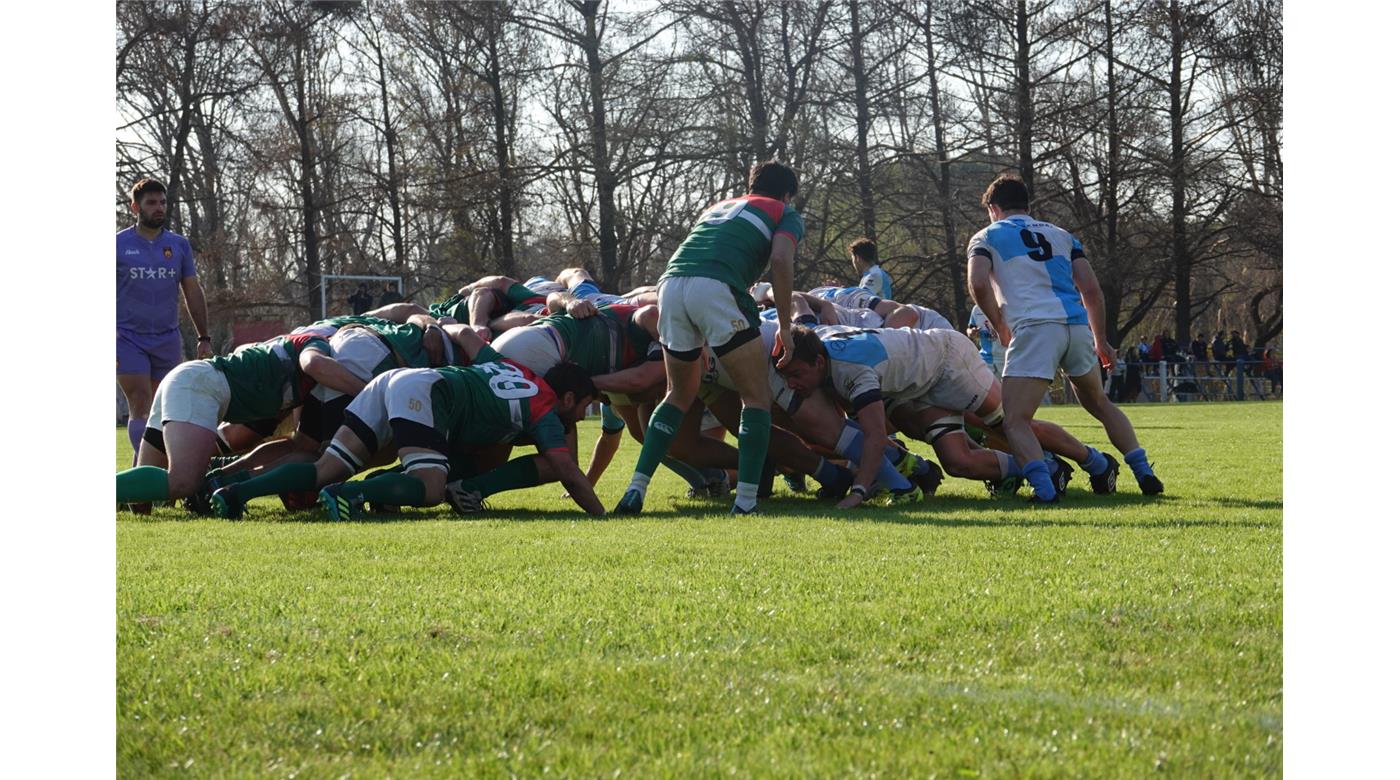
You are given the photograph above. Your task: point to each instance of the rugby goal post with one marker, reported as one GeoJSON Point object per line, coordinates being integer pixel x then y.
{"type": "Point", "coordinates": [327, 278]}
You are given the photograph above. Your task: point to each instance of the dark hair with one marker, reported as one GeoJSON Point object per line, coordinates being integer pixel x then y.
{"type": "Point", "coordinates": [806, 344]}
{"type": "Point", "coordinates": [140, 188]}
{"type": "Point", "coordinates": [863, 248]}
{"type": "Point", "coordinates": [773, 179]}
{"type": "Point", "coordinates": [1007, 193]}
{"type": "Point", "coordinates": [569, 377]}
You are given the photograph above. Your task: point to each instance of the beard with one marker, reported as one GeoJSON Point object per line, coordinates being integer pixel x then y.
{"type": "Point", "coordinates": [153, 223]}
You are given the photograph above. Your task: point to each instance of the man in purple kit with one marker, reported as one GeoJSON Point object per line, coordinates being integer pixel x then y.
{"type": "Point", "coordinates": [152, 263]}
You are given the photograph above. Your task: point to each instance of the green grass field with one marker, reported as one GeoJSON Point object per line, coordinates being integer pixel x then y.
{"type": "Point", "coordinates": [1107, 637]}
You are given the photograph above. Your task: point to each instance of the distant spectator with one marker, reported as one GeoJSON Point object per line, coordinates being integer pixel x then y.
{"type": "Point", "coordinates": [361, 301]}
{"type": "Point", "coordinates": [1155, 352]}
{"type": "Point", "coordinates": [1218, 348]}
{"type": "Point", "coordinates": [391, 295]}
{"type": "Point", "coordinates": [1200, 354]}
{"type": "Point", "coordinates": [1198, 349]}
{"type": "Point", "coordinates": [1238, 348]}
{"type": "Point", "coordinates": [1273, 368]}
{"type": "Point", "coordinates": [1142, 350]}
{"type": "Point", "coordinates": [1171, 352]}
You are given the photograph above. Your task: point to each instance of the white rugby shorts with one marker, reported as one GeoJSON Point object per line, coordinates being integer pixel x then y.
{"type": "Point", "coordinates": [193, 392]}
{"type": "Point", "coordinates": [1040, 349]}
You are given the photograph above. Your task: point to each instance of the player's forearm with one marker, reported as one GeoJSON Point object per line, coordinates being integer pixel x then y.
{"type": "Point", "coordinates": [603, 452]}
{"type": "Point", "coordinates": [985, 297]}
{"type": "Point", "coordinates": [872, 449]}
{"type": "Point", "coordinates": [1094, 305]}
{"type": "Point", "coordinates": [628, 381]}
{"type": "Point", "coordinates": [782, 288]}
{"type": "Point", "coordinates": [198, 308]}
{"type": "Point", "coordinates": [325, 371]}
{"type": "Point", "coordinates": [580, 489]}
{"type": "Point", "coordinates": [480, 308]}
{"type": "Point", "coordinates": [397, 312]}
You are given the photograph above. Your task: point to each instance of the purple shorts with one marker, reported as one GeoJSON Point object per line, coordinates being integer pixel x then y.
{"type": "Point", "coordinates": [152, 355]}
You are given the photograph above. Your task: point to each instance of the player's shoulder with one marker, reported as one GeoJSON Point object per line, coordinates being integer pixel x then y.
{"type": "Point", "coordinates": [981, 235]}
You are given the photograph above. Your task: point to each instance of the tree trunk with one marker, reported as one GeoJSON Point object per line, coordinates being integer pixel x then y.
{"type": "Point", "coordinates": [1112, 302]}
{"type": "Point", "coordinates": [1025, 111]}
{"type": "Point", "coordinates": [863, 176]}
{"type": "Point", "coordinates": [1181, 260]}
{"type": "Point", "coordinates": [309, 209]}
{"type": "Point", "coordinates": [953, 258]}
{"type": "Point", "coordinates": [603, 174]}
{"type": "Point", "coordinates": [505, 198]}
{"type": "Point", "coordinates": [391, 150]}
{"type": "Point", "coordinates": [751, 56]}
{"type": "Point", "coordinates": [214, 250]}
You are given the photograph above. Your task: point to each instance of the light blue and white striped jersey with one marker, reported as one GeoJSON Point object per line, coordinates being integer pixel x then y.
{"type": "Point", "coordinates": [1031, 270]}
{"type": "Point", "coordinates": [850, 297]}
{"type": "Point", "coordinates": [896, 363]}
{"type": "Point", "coordinates": [878, 282]}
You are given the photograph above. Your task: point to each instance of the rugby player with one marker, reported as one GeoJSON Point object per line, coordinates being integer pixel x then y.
{"type": "Point", "coordinates": [872, 276]}
{"type": "Point", "coordinates": [704, 301]}
{"type": "Point", "coordinates": [615, 343]}
{"type": "Point", "coordinates": [428, 418]}
{"type": "Point", "coordinates": [1033, 281]}
{"type": "Point", "coordinates": [255, 384]}
{"type": "Point", "coordinates": [364, 346]}
{"type": "Point", "coordinates": [930, 380]}
{"type": "Point", "coordinates": [580, 284]}
{"type": "Point", "coordinates": [495, 304]}
{"type": "Point", "coordinates": [152, 264]}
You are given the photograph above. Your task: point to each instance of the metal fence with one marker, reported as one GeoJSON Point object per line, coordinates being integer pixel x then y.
{"type": "Point", "coordinates": [1190, 380]}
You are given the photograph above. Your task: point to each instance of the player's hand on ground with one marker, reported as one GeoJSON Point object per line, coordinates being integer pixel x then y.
{"type": "Point", "coordinates": [203, 350]}
{"type": "Point", "coordinates": [782, 347]}
{"type": "Point", "coordinates": [851, 500]}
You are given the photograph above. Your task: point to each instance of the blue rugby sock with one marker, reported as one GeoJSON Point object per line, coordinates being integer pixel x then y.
{"type": "Point", "coordinates": [1038, 474]}
{"type": "Point", "coordinates": [1137, 461]}
{"type": "Point", "coordinates": [827, 473]}
{"type": "Point", "coordinates": [1095, 464]}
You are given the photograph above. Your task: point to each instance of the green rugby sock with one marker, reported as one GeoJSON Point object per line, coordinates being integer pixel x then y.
{"type": "Point", "coordinates": [515, 474]}
{"type": "Point", "coordinates": [755, 428]}
{"type": "Point", "coordinates": [660, 431]}
{"type": "Point", "coordinates": [391, 489]}
{"type": "Point", "coordinates": [142, 485]}
{"type": "Point", "coordinates": [283, 479]}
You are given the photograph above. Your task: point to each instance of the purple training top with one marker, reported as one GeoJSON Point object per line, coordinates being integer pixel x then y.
{"type": "Point", "coordinates": [148, 280]}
